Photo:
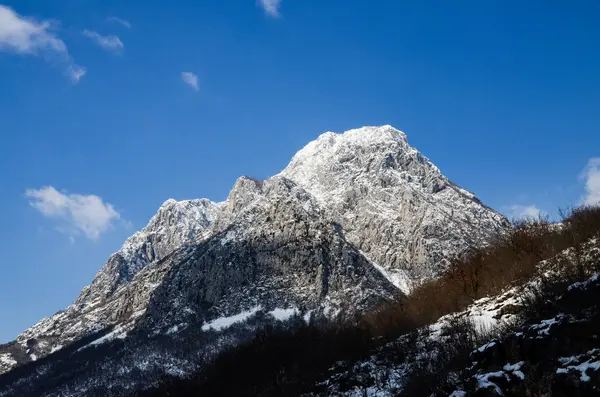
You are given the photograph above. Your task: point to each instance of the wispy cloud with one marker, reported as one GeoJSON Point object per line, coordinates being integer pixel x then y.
{"type": "Point", "coordinates": [75, 73]}
{"type": "Point", "coordinates": [27, 36]}
{"type": "Point", "coordinates": [271, 7]}
{"type": "Point", "coordinates": [110, 43]}
{"type": "Point", "coordinates": [190, 79]}
{"type": "Point", "coordinates": [524, 211]}
{"type": "Point", "coordinates": [76, 213]}
{"type": "Point", "coordinates": [591, 176]}
{"type": "Point", "coordinates": [119, 21]}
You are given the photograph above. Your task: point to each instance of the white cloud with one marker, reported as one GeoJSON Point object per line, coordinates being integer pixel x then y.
{"type": "Point", "coordinates": [87, 214]}
{"type": "Point", "coordinates": [119, 21]}
{"type": "Point", "coordinates": [109, 43]}
{"type": "Point", "coordinates": [190, 79]}
{"type": "Point", "coordinates": [27, 36]}
{"type": "Point", "coordinates": [524, 211]}
{"type": "Point", "coordinates": [591, 175]}
{"type": "Point", "coordinates": [271, 7]}
{"type": "Point", "coordinates": [75, 73]}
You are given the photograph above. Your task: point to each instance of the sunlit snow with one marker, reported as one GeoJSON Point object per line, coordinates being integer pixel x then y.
{"type": "Point", "coordinates": [284, 314]}
{"type": "Point", "coordinates": [226, 322]}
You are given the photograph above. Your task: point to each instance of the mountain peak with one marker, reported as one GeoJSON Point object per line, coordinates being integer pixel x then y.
{"type": "Point", "coordinates": [168, 203]}
{"type": "Point", "coordinates": [375, 154]}
{"type": "Point", "coordinates": [359, 137]}
{"type": "Point", "coordinates": [374, 132]}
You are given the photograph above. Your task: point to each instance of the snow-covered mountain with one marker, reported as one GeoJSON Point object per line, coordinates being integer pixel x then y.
{"type": "Point", "coordinates": [353, 221]}
{"type": "Point", "coordinates": [391, 201]}
{"type": "Point", "coordinates": [114, 297]}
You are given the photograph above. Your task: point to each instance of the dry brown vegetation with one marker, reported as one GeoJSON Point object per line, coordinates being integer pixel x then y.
{"type": "Point", "coordinates": [510, 259]}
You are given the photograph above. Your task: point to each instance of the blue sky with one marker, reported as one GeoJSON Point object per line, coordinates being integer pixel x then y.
{"type": "Point", "coordinates": [99, 125]}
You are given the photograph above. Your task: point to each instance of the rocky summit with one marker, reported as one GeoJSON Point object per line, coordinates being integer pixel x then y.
{"type": "Point", "coordinates": [355, 220]}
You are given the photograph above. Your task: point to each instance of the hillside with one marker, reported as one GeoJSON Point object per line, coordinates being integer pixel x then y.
{"type": "Point", "coordinates": [532, 332]}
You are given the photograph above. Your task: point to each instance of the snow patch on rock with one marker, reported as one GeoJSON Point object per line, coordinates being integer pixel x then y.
{"type": "Point", "coordinates": [226, 322]}
{"type": "Point", "coordinates": [284, 314]}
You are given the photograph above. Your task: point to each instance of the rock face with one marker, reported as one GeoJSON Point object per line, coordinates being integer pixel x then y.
{"type": "Point", "coordinates": [391, 201]}
{"type": "Point", "coordinates": [354, 220]}
{"type": "Point", "coordinates": [291, 257]}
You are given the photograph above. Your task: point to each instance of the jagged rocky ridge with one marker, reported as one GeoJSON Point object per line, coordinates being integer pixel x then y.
{"type": "Point", "coordinates": [354, 220]}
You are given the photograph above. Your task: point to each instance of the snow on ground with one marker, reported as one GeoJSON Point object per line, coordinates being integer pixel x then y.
{"type": "Point", "coordinates": [226, 322]}
{"type": "Point", "coordinates": [307, 316]}
{"type": "Point", "coordinates": [583, 284]}
{"type": "Point", "coordinates": [485, 313]}
{"type": "Point", "coordinates": [584, 364]}
{"type": "Point", "coordinates": [176, 328]}
{"type": "Point", "coordinates": [396, 276]}
{"type": "Point", "coordinates": [582, 368]}
{"type": "Point", "coordinates": [388, 381]}
{"type": "Point", "coordinates": [484, 382]}
{"type": "Point", "coordinates": [486, 346]}
{"type": "Point", "coordinates": [284, 314]}
{"type": "Point", "coordinates": [515, 369]}
{"type": "Point", "coordinates": [574, 359]}
{"type": "Point", "coordinates": [543, 328]}
{"type": "Point", "coordinates": [117, 333]}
